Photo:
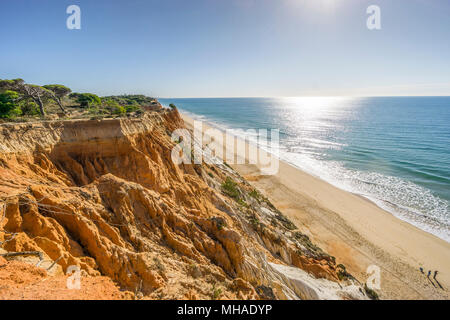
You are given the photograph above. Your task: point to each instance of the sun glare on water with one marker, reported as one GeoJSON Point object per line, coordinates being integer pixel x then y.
{"type": "Point", "coordinates": [316, 103]}
{"type": "Point", "coordinates": [309, 109]}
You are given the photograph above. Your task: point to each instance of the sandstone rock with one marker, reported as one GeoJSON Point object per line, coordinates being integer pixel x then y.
{"type": "Point", "coordinates": [106, 196]}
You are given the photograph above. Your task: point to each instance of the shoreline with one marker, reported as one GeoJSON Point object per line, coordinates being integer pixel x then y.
{"type": "Point", "coordinates": [385, 205]}
{"type": "Point", "coordinates": [353, 229]}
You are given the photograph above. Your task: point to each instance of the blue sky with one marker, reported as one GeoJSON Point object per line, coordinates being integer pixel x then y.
{"type": "Point", "coordinates": [230, 48]}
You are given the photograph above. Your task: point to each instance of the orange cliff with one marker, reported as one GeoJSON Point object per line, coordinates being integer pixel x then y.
{"type": "Point", "coordinates": [105, 195]}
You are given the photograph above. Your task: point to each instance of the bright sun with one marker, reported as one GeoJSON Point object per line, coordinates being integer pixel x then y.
{"type": "Point", "coordinates": [314, 5]}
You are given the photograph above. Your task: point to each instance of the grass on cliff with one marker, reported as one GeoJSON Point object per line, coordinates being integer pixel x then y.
{"type": "Point", "coordinates": [229, 187]}
{"type": "Point", "coordinates": [255, 194]}
{"type": "Point", "coordinates": [216, 292]}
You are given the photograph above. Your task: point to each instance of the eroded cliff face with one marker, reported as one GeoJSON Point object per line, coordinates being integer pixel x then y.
{"type": "Point", "coordinates": [106, 196]}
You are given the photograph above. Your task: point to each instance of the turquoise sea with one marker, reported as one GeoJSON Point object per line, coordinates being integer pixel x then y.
{"type": "Point", "coordinates": [394, 151]}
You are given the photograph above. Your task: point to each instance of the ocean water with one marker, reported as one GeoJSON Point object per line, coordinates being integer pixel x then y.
{"type": "Point", "coordinates": [394, 151]}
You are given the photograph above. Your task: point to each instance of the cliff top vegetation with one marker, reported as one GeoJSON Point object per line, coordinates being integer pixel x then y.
{"type": "Point", "coordinates": [22, 102]}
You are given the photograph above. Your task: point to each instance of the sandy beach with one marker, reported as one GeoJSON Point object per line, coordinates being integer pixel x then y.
{"type": "Point", "coordinates": [354, 230]}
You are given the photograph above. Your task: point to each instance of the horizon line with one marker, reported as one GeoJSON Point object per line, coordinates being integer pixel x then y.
{"type": "Point", "coordinates": [308, 96]}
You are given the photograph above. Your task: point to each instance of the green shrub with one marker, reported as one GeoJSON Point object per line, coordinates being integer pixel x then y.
{"type": "Point", "coordinates": [372, 294]}
{"type": "Point", "coordinates": [86, 99]}
{"type": "Point", "coordinates": [29, 108]}
{"type": "Point", "coordinates": [216, 292]}
{"type": "Point", "coordinates": [255, 194]}
{"type": "Point", "coordinates": [342, 272]}
{"type": "Point", "coordinates": [8, 105]}
{"type": "Point", "coordinates": [132, 108]}
{"type": "Point", "coordinates": [230, 189]}
{"type": "Point", "coordinates": [119, 110]}
{"type": "Point", "coordinates": [109, 104]}
{"type": "Point", "coordinates": [256, 224]}
{"type": "Point", "coordinates": [243, 203]}
{"type": "Point", "coordinates": [130, 100]}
